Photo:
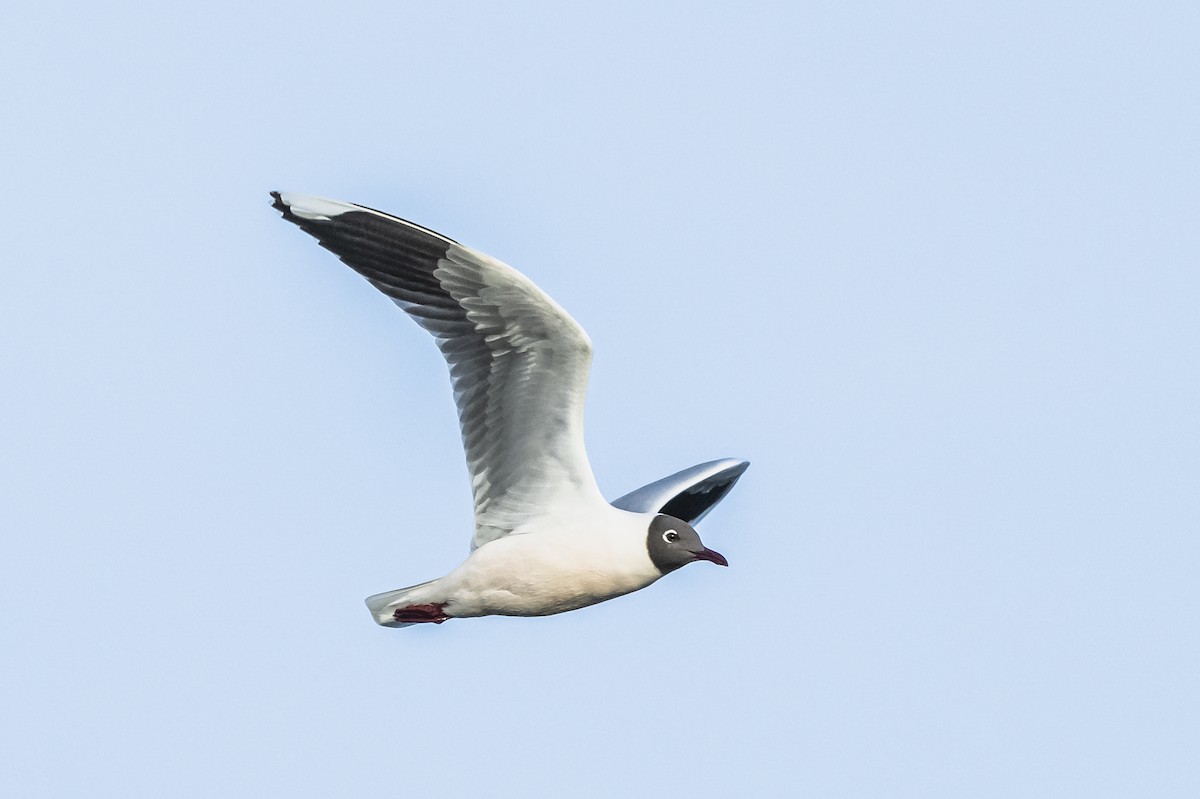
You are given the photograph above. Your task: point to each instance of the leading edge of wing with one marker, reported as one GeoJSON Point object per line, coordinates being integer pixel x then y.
{"type": "Point", "coordinates": [296, 206]}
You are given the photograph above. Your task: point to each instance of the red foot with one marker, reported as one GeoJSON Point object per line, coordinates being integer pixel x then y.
{"type": "Point", "coordinates": [415, 614]}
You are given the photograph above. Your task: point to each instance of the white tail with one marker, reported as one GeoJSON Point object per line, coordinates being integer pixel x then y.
{"type": "Point", "coordinates": [383, 606]}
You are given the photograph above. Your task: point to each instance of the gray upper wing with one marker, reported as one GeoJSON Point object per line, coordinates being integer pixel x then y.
{"type": "Point", "coordinates": [518, 363]}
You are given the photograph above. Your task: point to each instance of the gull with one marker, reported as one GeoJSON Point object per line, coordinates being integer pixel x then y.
{"type": "Point", "coordinates": [545, 540]}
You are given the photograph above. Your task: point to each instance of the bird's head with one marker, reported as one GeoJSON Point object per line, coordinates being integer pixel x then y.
{"type": "Point", "coordinates": [674, 543]}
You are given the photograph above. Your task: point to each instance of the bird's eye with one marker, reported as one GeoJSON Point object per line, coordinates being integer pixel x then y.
{"type": "Point", "coordinates": [670, 536]}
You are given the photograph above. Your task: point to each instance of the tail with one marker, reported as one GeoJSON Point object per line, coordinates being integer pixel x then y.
{"type": "Point", "coordinates": [383, 606]}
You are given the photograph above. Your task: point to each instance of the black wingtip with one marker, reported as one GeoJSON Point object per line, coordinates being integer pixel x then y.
{"type": "Point", "coordinates": [280, 205]}
{"type": "Point", "coordinates": [310, 222]}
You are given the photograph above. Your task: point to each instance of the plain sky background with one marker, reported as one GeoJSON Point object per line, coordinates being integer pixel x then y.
{"type": "Point", "coordinates": [934, 268]}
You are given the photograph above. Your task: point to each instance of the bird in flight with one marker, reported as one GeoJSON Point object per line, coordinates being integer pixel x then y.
{"type": "Point", "coordinates": [545, 540]}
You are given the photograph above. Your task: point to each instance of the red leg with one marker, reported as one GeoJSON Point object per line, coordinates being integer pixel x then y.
{"type": "Point", "coordinates": [415, 614]}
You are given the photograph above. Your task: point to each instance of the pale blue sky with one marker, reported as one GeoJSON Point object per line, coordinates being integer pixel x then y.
{"type": "Point", "coordinates": [933, 269]}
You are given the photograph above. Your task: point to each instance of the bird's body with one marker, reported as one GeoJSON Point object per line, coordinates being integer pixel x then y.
{"type": "Point", "coordinates": [562, 565]}
{"type": "Point", "coordinates": [545, 540]}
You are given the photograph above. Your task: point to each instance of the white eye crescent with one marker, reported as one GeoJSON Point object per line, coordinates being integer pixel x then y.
{"type": "Point", "coordinates": [670, 536]}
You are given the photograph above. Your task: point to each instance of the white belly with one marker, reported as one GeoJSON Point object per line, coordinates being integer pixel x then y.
{"type": "Point", "coordinates": [538, 574]}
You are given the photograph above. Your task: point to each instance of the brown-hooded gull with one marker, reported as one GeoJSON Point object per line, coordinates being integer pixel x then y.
{"type": "Point", "coordinates": [545, 540]}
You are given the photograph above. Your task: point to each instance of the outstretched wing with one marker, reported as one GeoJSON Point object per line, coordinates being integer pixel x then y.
{"type": "Point", "coordinates": [518, 363]}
